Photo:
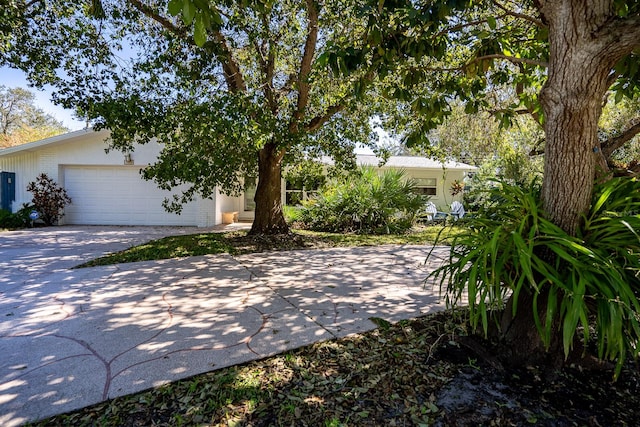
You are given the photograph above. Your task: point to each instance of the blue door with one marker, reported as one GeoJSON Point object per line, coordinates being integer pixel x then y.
{"type": "Point", "coordinates": [7, 189]}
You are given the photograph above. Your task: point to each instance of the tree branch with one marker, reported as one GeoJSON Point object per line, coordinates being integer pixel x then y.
{"type": "Point", "coordinates": [635, 169]}
{"type": "Point", "coordinates": [167, 24]}
{"type": "Point", "coordinates": [288, 85]}
{"type": "Point", "coordinates": [508, 111]}
{"type": "Point", "coordinates": [621, 35]}
{"type": "Point", "coordinates": [231, 69]}
{"type": "Point", "coordinates": [317, 122]}
{"type": "Point", "coordinates": [612, 78]}
{"type": "Point", "coordinates": [612, 144]}
{"type": "Point", "coordinates": [266, 61]}
{"type": "Point", "coordinates": [31, 3]}
{"type": "Point", "coordinates": [520, 91]}
{"type": "Point", "coordinates": [305, 64]}
{"type": "Point", "coordinates": [630, 170]}
{"type": "Point", "coordinates": [271, 62]}
{"type": "Point", "coordinates": [458, 27]}
{"type": "Point", "coordinates": [8, 117]}
{"type": "Point", "coordinates": [270, 68]}
{"type": "Point", "coordinates": [511, 59]}
{"type": "Point", "coordinates": [523, 16]}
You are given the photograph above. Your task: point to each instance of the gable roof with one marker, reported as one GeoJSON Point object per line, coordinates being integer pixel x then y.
{"type": "Point", "coordinates": [52, 141]}
{"type": "Point", "coordinates": [411, 162]}
{"type": "Point", "coordinates": [406, 162]}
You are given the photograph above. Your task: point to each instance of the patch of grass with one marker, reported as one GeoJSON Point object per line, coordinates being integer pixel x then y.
{"type": "Point", "coordinates": [417, 236]}
{"type": "Point", "coordinates": [238, 242]}
{"type": "Point", "coordinates": [168, 247]}
{"type": "Point", "coordinates": [416, 372]}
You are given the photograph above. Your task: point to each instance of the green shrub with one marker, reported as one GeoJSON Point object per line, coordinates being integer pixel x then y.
{"type": "Point", "coordinates": [292, 213]}
{"type": "Point", "coordinates": [514, 167]}
{"type": "Point", "coordinates": [365, 202]}
{"type": "Point", "coordinates": [12, 221]}
{"type": "Point", "coordinates": [5, 218]}
{"type": "Point", "coordinates": [511, 248]}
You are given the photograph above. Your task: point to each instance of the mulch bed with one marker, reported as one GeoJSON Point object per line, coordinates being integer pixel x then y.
{"type": "Point", "coordinates": [413, 373]}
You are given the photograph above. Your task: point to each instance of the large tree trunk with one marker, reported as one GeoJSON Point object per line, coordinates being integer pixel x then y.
{"type": "Point", "coordinates": [522, 337]}
{"type": "Point", "coordinates": [572, 97]}
{"type": "Point", "coordinates": [584, 46]}
{"type": "Point", "coordinates": [572, 102]}
{"type": "Point", "coordinates": [269, 218]}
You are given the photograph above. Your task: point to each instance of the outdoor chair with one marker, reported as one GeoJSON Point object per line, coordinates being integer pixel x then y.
{"type": "Point", "coordinates": [430, 211]}
{"type": "Point", "coordinates": [457, 210]}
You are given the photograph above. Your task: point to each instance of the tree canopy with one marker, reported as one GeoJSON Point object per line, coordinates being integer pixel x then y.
{"type": "Point", "coordinates": [229, 105]}
{"type": "Point", "coordinates": [21, 121]}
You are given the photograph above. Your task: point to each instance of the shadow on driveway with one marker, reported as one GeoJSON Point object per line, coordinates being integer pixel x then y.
{"type": "Point", "coordinates": [72, 338]}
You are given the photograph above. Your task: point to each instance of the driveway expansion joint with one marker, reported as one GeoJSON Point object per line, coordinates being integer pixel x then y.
{"type": "Point", "coordinates": [255, 274]}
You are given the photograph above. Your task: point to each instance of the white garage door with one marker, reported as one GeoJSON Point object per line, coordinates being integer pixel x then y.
{"type": "Point", "coordinates": [118, 196]}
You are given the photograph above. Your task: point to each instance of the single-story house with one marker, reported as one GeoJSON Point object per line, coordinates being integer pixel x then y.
{"type": "Point", "coordinates": [107, 189]}
{"type": "Point", "coordinates": [433, 178]}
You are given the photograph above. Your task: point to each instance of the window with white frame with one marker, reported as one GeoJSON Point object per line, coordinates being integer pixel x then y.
{"type": "Point", "coordinates": [426, 186]}
{"type": "Point", "coordinates": [297, 190]}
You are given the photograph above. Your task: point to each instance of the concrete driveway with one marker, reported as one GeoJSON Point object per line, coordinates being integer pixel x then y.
{"type": "Point", "coordinates": [72, 338]}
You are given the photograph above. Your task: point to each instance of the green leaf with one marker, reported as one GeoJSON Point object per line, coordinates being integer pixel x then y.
{"type": "Point", "coordinates": [492, 22]}
{"type": "Point", "coordinates": [572, 316]}
{"type": "Point", "coordinates": [174, 7]}
{"type": "Point", "coordinates": [618, 97]}
{"type": "Point", "coordinates": [469, 107]}
{"type": "Point", "coordinates": [381, 323]}
{"type": "Point", "coordinates": [200, 30]}
{"type": "Point", "coordinates": [215, 17]}
{"type": "Point", "coordinates": [188, 12]}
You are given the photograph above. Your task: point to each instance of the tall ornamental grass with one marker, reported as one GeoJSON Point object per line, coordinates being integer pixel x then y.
{"type": "Point", "coordinates": [587, 280]}
{"type": "Point", "coordinates": [364, 202]}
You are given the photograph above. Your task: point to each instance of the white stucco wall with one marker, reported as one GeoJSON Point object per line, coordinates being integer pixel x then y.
{"type": "Point", "coordinates": [226, 204]}
{"type": "Point", "coordinates": [421, 167]}
{"type": "Point", "coordinates": [444, 178]}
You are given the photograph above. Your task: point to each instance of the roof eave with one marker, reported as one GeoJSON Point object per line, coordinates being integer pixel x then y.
{"type": "Point", "coordinates": [52, 141]}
